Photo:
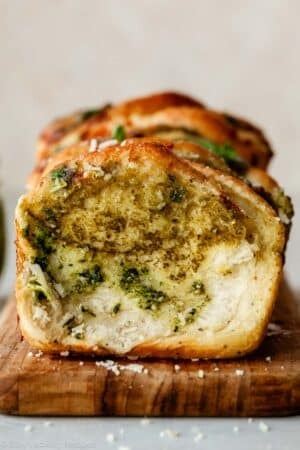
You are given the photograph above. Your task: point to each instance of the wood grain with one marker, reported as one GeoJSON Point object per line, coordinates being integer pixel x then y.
{"type": "Point", "coordinates": [55, 385]}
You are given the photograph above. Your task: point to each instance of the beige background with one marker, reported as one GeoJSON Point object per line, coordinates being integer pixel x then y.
{"type": "Point", "coordinates": [57, 55]}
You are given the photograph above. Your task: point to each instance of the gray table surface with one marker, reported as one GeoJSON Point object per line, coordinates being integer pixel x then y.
{"type": "Point", "coordinates": [163, 433]}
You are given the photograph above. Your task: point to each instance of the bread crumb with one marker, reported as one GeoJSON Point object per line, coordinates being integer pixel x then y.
{"type": "Point", "coordinates": [236, 429]}
{"type": "Point", "coordinates": [30, 354]}
{"type": "Point", "coordinates": [239, 372]}
{"type": "Point", "coordinates": [66, 353]}
{"type": "Point", "coordinates": [109, 365]}
{"type": "Point", "coordinates": [145, 422]}
{"type": "Point", "coordinates": [170, 433]}
{"type": "Point", "coordinates": [268, 359]}
{"type": "Point", "coordinates": [28, 428]}
{"type": "Point", "coordinates": [81, 363]}
{"type": "Point", "coordinates": [110, 437]}
{"type": "Point", "coordinates": [198, 437]}
{"type": "Point", "coordinates": [250, 420]}
{"type": "Point", "coordinates": [195, 359]}
{"type": "Point", "coordinates": [200, 373]}
{"type": "Point", "coordinates": [137, 368]}
{"type": "Point", "coordinates": [263, 427]}
{"type": "Point", "coordinates": [47, 423]}
{"type": "Point", "coordinates": [39, 354]}
{"type": "Point", "coordinates": [176, 367]}
{"type": "Point", "coordinates": [132, 358]}
{"type": "Point", "coordinates": [216, 369]}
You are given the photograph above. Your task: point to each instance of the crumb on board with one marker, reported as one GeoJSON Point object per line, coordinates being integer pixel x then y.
{"type": "Point", "coordinates": [116, 368]}
{"type": "Point", "coordinates": [110, 437]}
{"type": "Point", "coordinates": [145, 421]}
{"type": "Point", "coordinates": [47, 423]}
{"type": "Point", "coordinates": [263, 427]}
{"type": "Point", "coordinates": [170, 433]}
{"type": "Point", "coordinates": [198, 437]}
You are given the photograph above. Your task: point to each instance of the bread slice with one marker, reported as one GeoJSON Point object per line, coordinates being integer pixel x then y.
{"type": "Point", "coordinates": [168, 115]}
{"type": "Point", "coordinates": [130, 250]}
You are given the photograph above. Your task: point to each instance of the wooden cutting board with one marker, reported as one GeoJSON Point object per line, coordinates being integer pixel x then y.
{"type": "Point", "coordinates": [56, 385]}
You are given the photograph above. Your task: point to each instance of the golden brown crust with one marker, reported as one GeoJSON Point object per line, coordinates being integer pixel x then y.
{"type": "Point", "coordinates": [149, 104]}
{"type": "Point", "coordinates": [98, 124]}
{"type": "Point", "coordinates": [145, 115]}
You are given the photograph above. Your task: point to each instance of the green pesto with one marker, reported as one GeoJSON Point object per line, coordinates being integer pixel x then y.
{"type": "Point", "coordinates": [43, 240]}
{"type": "Point", "coordinates": [62, 173]}
{"type": "Point", "coordinates": [149, 298]}
{"type": "Point", "coordinates": [93, 276]}
{"type": "Point", "coordinates": [39, 292]}
{"type": "Point", "coordinates": [282, 202]}
{"type": "Point", "coordinates": [191, 315]}
{"type": "Point", "coordinates": [85, 115]}
{"type": "Point", "coordinates": [177, 194]}
{"type": "Point", "coordinates": [90, 113]}
{"type": "Point", "coordinates": [129, 277]}
{"type": "Point", "coordinates": [25, 231]}
{"type": "Point", "coordinates": [88, 311]}
{"type": "Point", "coordinates": [198, 287]}
{"type": "Point", "coordinates": [176, 325]}
{"type": "Point", "coordinates": [89, 278]}
{"type": "Point", "coordinates": [116, 308]}
{"type": "Point", "coordinates": [72, 323]}
{"type": "Point", "coordinates": [49, 214]}
{"type": "Point", "coordinates": [224, 150]}
{"type": "Point", "coordinates": [119, 133]}
{"type": "Point", "coordinates": [42, 261]}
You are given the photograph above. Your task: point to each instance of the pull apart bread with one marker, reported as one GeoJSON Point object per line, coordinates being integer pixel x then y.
{"type": "Point", "coordinates": [130, 249]}
{"type": "Point", "coordinates": [167, 115]}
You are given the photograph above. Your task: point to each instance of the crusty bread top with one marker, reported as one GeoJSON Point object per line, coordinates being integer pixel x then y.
{"type": "Point", "coordinates": [152, 114]}
{"type": "Point", "coordinates": [264, 185]}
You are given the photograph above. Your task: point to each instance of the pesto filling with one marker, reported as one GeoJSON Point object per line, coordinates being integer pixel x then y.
{"type": "Point", "coordinates": [223, 150]}
{"type": "Point", "coordinates": [143, 241]}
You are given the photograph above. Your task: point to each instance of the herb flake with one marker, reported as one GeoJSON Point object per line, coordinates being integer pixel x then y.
{"type": "Point", "coordinates": [119, 133]}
